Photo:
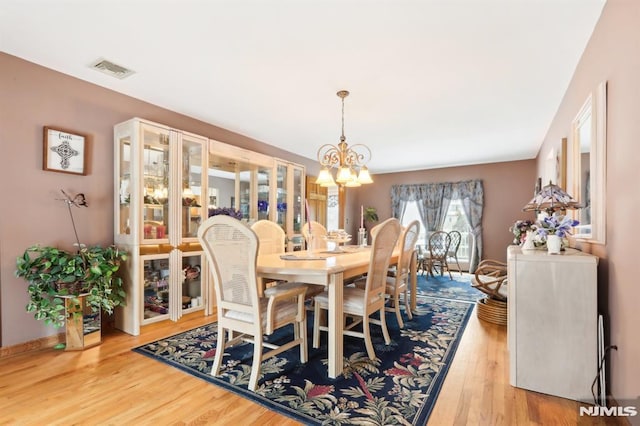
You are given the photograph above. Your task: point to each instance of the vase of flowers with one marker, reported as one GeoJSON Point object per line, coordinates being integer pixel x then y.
{"type": "Point", "coordinates": [554, 229]}
{"type": "Point", "coordinates": [521, 230]}
{"type": "Point", "coordinates": [554, 244]}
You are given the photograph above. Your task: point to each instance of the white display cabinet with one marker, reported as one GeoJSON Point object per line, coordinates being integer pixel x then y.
{"type": "Point", "coordinates": [159, 205]}
{"type": "Point", "coordinates": [259, 186]}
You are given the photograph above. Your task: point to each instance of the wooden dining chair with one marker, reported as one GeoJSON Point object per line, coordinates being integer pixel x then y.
{"type": "Point", "coordinates": [270, 235]}
{"type": "Point", "coordinates": [231, 248]}
{"type": "Point", "coordinates": [398, 283]}
{"type": "Point", "coordinates": [421, 259]}
{"type": "Point", "coordinates": [362, 303]}
{"type": "Point", "coordinates": [319, 233]}
{"type": "Point", "coordinates": [271, 239]}
{"type": "Point", "coordinates": [439, 242]}
{"type": "Point", "coordinates": [454, 245]}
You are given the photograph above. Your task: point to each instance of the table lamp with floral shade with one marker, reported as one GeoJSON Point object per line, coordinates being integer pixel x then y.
{"type": "Point", "coordinates": [554, 227]}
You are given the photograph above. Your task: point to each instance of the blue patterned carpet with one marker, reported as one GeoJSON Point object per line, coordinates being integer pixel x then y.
{"type": "Point", "coordinates": [441, 286]}
{"type": "Point", "coordinates": [400, 387]}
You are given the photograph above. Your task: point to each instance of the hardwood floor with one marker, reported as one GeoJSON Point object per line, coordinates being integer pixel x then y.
{"type": "Point", "coordinates": [111, 385]}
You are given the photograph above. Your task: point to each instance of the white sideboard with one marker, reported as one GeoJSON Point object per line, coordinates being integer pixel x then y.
{"type": "Point", "coordinates": [552, 321]}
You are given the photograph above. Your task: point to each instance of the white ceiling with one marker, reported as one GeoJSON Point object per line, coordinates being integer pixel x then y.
{"type": "Point", "coordinates": [433, 83]}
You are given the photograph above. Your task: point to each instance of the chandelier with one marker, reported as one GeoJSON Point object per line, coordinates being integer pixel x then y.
{"type": "Point", "coordinates": [350, 161]}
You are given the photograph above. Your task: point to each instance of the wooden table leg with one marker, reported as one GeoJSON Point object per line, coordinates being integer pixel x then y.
{"type": "Point", "coordinates": [335, 323]}
{"type": "Point", "coordinates": [414, 280]}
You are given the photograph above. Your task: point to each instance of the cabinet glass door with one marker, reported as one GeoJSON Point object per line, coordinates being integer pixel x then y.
{"type": "Point", "coordinates": [281, 196]}
{"type": "Point", "coordinates": [156, 291]}
{"type": "Point", "coordinates": [192, 211]}
{"type": "Point", "coordinates": [263, 177]}
{"type": "Point", "coordinates": [192, 283]}
{"type": "Point", "coordinates": [298, 197]}
{"type": "Point", "coordinates": [221, 179]}
{"type": "Point", "coordinates": [243, 184]}
{"type": "Point", "coordinates": [155, 183]}
{"type": "Point", "coordinates": [123, 221]}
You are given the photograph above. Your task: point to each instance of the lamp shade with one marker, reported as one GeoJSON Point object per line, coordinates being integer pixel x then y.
{"type": "Point", "coordinates": [364, 176]}
{"type": "Point", "coordinates": [551, 198]}
{"type": "Point", "coordinates": [329, 183]}
{"type": "Point", "coordinates": [353, 182]}
{"type": "Point", "coordinates": [344, 174]}
{"type": "Point", "coordinates": [325, 178]}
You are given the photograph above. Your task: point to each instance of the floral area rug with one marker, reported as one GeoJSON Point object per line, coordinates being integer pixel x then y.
{"type": "Point", "coordinates": [399, 387]}
{"type": "Point", "coordinates": [441, 286]}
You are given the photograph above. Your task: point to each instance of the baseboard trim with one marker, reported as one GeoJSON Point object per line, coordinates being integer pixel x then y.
{"type": "Point", "coordinates": [32, 345]}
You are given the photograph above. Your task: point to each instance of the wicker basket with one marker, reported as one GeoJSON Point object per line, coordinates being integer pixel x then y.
{"type": "Point", "coordinates": [491, 310]}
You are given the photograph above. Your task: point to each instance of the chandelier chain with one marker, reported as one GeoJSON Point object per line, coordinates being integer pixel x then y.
{"type": "Point", "coordinates": [342, 138]}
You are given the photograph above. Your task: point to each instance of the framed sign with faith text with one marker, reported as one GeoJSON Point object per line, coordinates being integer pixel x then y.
{"type": "Point", "coordinates": [64, 151]}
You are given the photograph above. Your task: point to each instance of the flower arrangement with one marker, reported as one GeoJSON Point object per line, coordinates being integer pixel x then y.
{"type": "Point", "coordinates": [555, 225]}
{"type": "Point", "coordinates": [229, 211]}
{"type": "Point", "coordinates": [519, 230]}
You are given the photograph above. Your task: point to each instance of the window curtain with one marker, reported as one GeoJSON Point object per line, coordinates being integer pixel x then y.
{"type": "Point", "coordinates": [433, 201]}
{"type": "Point", "coordinates": [428, 198]}
{"type": "Point", "coordinates": [471, 193]}
{"type": "Point", "coordinates": [448, 192]}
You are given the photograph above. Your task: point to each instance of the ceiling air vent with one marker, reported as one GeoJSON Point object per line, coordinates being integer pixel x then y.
{"type": "Point", "coordinates": [109, 68]}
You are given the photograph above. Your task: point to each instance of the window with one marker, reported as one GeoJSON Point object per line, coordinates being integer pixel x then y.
{"type": "Point", "coordinates": [411, 214]}
{"type": "Point", "coordinates": [455, 220]}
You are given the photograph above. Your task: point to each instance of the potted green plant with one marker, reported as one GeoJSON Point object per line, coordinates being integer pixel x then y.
{"type": "Point", "coordinates": [53, 273]}
{"type": "Point", "coordinates": [370, 214]}
{"type": "Point", "coordinates": [65, 285]}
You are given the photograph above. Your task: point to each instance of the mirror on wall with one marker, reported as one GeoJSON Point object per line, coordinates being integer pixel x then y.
{"type": "Point", "coordinates": [588, 158]}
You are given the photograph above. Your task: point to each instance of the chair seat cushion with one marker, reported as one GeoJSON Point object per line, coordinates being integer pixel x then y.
{"type": "Point", "coordinates": [312, 289]}
{"type": "Point", "coordinates": [285, 311]}
{"type": "Point", "coordinates": [391, 285]}
{"type": "Point", "coordinates": [353, 300]}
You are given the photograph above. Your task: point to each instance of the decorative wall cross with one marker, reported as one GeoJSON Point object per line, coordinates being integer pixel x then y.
{"type": "Point", "coordinates": [65, 152]}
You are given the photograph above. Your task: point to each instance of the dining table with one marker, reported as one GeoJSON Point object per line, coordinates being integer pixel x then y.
{"type": "Point", "coordinates": [329, 269]}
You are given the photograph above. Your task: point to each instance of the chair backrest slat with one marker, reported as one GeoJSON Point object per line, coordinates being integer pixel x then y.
{"type": "Point", "coordinates": [319, 233]}
{"type": "Point", "coordinates": [456, 237]}
{"type": "Point", "coordinates": [439, 243]}
{"type": "Point", "coordinates": [408, 239]}
{"type": "Point", "coordinates": [384, 238]}
{"type": "Point", "coordinates": [231, 248]}
{"type": "Point", "coordinates": [271, 237]}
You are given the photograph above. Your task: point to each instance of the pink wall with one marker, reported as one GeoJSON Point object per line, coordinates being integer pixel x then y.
{"type": "Point", "coordinates": [33, 97]}
{"type": "Point", "coordinates": [507, 187]}
{"type": "Point", "coordinates": [613, 54]}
